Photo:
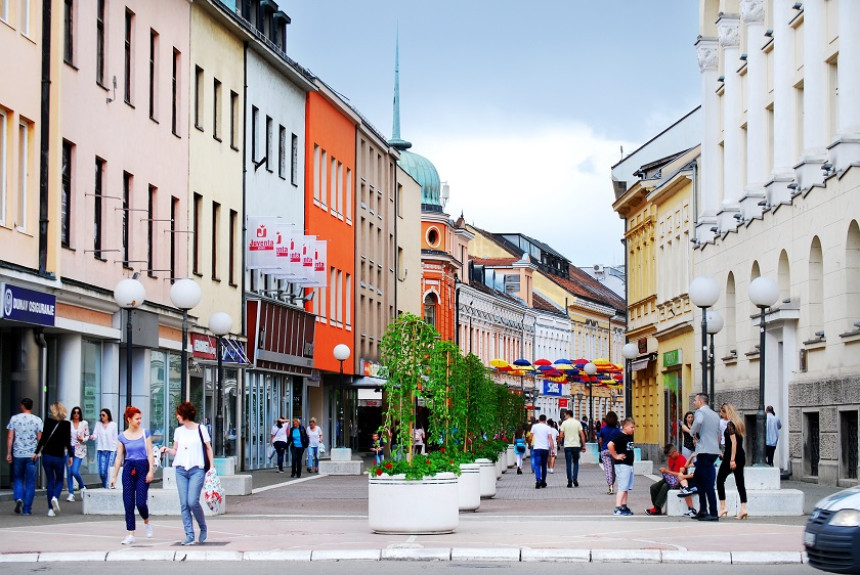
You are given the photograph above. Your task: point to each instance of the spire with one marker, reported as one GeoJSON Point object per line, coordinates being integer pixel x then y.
{"type": "Point", "coordinates": [395, 140]}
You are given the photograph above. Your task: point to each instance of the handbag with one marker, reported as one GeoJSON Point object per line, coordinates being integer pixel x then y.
{"type": "Point", "coordinates": [213, 493]}
{"type": "Point", "coordinates": [206, 463]}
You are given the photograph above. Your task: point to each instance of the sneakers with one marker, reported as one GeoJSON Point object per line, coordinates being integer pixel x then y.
{"type": "Point", "coordinates": [519, 471]}
{"type": "Point", "coordinates": [204, 533]}
{"type": "Point", "coordinates": [687, 491]}
{"type": "Point", "coordinates": [653, 511]}
{"type": "Point", "coordinates": [537, 484]}
{"type": "Point", "coordinates": [575, 483]}
{"type": "Point", "coordinates": [18, 505]}
{"type": "Point", "coordinates": [551, 470]}
{"type": "Point", "coordinates": [611, 490]}
{"type": "Point", "coordinates": [129, 540]}
{"type": "Point", "coordinates": [148, 528]}
{"type": "Point", "coordinates": [55, 505]}
{"type": "Point", "coordinates": [690, 512]}
{"type": "Point", "coordinates": [51, 513]}
{"type": "Point", "coordinates": [625, 511]}
{"type": "Point", "coordinates": [189, 540]}
{"type": "Point", "coordinates": [570, 485]}
{"type": "Point", "coordinates": [71, 498]}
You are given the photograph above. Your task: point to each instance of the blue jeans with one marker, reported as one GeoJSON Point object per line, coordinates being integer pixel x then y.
{"type": "Point", "coordinates": [106, 459]}
{"type": "Point", "coordinates": [75, 473]}
{"type": "Point", "coordinates": [24, 481]}
{"type": "Point", "coordinates": [705, 480]}
{"type": "Point", "coordinates": [540, 456]}
{"type": "Point", "coordinates": [572, 454]}
{"type": "Point", "coordinates": [54, 471]}
{"type": "Point", "coordinates": [313, 457]}
{"type": "Point", "coordinates": [189, 483]}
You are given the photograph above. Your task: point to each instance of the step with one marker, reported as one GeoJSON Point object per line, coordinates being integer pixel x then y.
{"type": "Point", "coordinates": [160, 502]}
{"type": "Point", "coordinates": [760, 503]}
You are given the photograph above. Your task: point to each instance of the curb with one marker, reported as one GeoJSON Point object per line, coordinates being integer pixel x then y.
{"type": "Point", "coordinates": [462, 554]}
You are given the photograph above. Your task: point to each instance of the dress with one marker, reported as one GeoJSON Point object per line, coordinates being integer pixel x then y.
{"type": "Point", "coordinates": [725, 466]}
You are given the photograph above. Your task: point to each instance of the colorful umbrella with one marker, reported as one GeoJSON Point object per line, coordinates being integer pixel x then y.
{"type": "Point", "coordinates": [543, 362]}
{"type": "Point", "coordinates": [499, 363]}
{"type": "Point", "coordinates": [522, 362]}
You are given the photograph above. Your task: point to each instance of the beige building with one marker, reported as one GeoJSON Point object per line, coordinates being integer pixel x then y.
{"type": "Point", "coordinates": [779, 198]}
{"type": "Point", "coordinates": [408, 238]}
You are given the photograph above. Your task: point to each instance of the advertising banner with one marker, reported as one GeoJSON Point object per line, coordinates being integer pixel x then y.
{"type": "Point", "coordinates": [28, 306]}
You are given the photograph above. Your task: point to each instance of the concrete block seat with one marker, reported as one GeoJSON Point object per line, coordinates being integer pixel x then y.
{"type": "Point", "coordinates": [231, 484]}
{"type": "Point", "coordinates": [760, 503]}
{"type": "Point", "coordinates": [341, 462]}
{"type": "Point", "coordinates": [160, 502]}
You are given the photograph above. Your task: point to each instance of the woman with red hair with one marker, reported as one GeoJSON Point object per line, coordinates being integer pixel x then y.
{"type": "Point", "coordinates": [134, 448]}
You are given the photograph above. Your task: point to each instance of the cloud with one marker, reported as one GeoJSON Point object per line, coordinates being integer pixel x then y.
{"type": "Point", "coordinates": [551, 183]}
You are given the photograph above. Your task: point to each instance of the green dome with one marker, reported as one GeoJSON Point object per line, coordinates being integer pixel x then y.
{"type": "Point", "coordinates": [425, 174]}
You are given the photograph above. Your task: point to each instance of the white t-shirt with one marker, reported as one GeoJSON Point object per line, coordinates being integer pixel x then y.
{"type": "Point", "coordinates": [554, 433]}
{"type": "Point", "coordinates": [418, 436]}
{"type": "Point", "coordinates": [314, 436]}
{"type": "Point", "coordinates": [105, 436]}
{"type": "Point", "coordinates": [542, 434]}
{"type": "Point", "coordinates": [280, 433]}
{"type": "Point", "coordinates": [189, 450]}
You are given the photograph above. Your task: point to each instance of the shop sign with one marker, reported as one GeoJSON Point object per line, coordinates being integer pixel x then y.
{"type": "Point", "coordinates": [370, 369]}
{"type": "Point", "coordinates": [204, 346]}
{"type": "Point", "coordinates": [672, 358]}
{"type": "Point", "coordinates": [28, 306]}
{"type": "Point", "coordinates": [562, 402]}
{"type": "Point", "coordinates": [551, 388]}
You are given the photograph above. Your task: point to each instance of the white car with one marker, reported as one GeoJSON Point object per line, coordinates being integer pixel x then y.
{"type": "Point", "coordinates": [832, 535]}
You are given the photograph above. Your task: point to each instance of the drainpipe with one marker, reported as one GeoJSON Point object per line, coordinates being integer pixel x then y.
{"type": "Point", "coordinates": [44, 137]}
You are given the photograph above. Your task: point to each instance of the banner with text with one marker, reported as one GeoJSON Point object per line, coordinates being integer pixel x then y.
{"type": "Point", "coordinates": [279, 249]}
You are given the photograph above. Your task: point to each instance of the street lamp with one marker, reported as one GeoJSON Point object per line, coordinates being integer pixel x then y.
{"type": "Point", "coordinates": [630, 351]}
{"type": "Point", "coordinates": [590, 369]}
{"type": "Point", "coordinates": [129, 294]}
{"type": "Point", "coordinates": [341, 353]}
{"type": "Point", "coordinates": [704, 292]}
{"type": "Point", "coordinates": [715, 324]}
{"type": "Point", "coordinates": [763, 292]}
{"type": "Point", "coordinates": [185, 294]}
{"type": "Point", "coordinates": [220, 323]}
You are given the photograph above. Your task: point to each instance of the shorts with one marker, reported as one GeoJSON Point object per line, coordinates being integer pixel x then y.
{"type": "Point", "coordinates": [624, 478]}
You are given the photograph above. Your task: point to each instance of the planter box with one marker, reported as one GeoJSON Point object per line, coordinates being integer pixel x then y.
{"type": "Point", "coordinates": [469, 486]}
{"type": "Point", "coordinates": [488, 478]}
{"type": "Point", "coordinates": [511, 456]}
{"type": "Point", "coordinates": [427, 506]}
{"type": "Point", "coordinates": [499, 467]}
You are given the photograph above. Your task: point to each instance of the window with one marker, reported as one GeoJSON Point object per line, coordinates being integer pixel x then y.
{"type": "Point", "coordinates": [174, 94]}
{"type": "Point", "coordinates": [2, 158]}
{"type": "Point", "coordinates": [234, 120]}
{"type": "Point", "coordinates": [150, 230]}
{"type": "Point", "coordinates": [153, 74]}
{"type": "Point", "coordinates": [348, 195]}
{"type": "Point", "coordinates": [195, 250]}
{"type": "Point", "coordinates": [68, 31]}
{"type": "Point", "coordinates": [216, 239]}
{"type": "Point", "coordinates": [126, 202]}
{"type": "Point", "coordinates": [216, 115]}
{"type": "Point", "coordinates": [231, 248]}
{"type": "Point", "coordinates": [255, 118]}
{"type": "Point", "coordinates": [282, 152]}
{"type": "Point", "coordinates": [430, 309]}
{"type": "Point", "coordinates": [23, 172]}
{"type": "Point", "coordinates": [127, 86]}
{"type": "Point", "coordinates": [198, 98]}
{"type": "Point", "coordinates": [66, 195]}
{"type": "Point", "coordinates": [268, 142]}
{"type": "Point", "coordinates": [316, 173]}
{"type": "Point", "coordinates": [97, 208]}
{"type": "Point", "coordinates": [4, 10]}
{"type": "Point", "coordinates": [100, 43]}
{"type": "Point", "coordinates": [348, 299]}
{"type": "Point", "coordinates": [294, 168]}
{"type": "Point", "coordinates": [174, 213]}
{"type": "Point", "coordinates": [25, 17]}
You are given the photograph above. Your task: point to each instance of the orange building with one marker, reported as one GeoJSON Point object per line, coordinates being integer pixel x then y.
{"type": "Point", "coordinates": [329, 212]}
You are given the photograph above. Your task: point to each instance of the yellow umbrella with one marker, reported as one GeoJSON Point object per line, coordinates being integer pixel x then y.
{"type": "Point", "coordinates": [499, 363]}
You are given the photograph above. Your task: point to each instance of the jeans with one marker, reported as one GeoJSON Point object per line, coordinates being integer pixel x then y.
{"type": "Point", "coordinates": [106, 459]}
{"type": "Point", "coordinates": [540, 456]}
{"type": "Point", "coordinates": [189, 483]}
{"type": "Point", "coordinates": [314, 458]}
{"type": "Point", "coordinates": [281, 448]}
{"type": "Point", "coordinates": [705, 479]}
{"type": "Point", "coordinates": [54, 471]}
{"type": "Point", "coordinates": [135, 490]}
{"type": "Point", "coordinates": [572, 453]}
{"type": "Point", "coordinates": [296, 460]}
{"type": "Point", "coordinates": [24, 481]}
{"type": "Point", "coordinates": [75, 473]}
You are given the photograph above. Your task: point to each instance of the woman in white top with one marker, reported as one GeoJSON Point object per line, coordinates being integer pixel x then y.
{"type": "Point", "coordinates": [191, 448]}
{"type": "Point", "coordinates": [279, 441]}
{"type": "Point", "coordinates": [80, 435]}
{"type": "Point", "coordinates": [315, 437]}
{"type": "Point", "coordinates": [418, 438]}
{"type": "Point", "coordinates": [104, 434]}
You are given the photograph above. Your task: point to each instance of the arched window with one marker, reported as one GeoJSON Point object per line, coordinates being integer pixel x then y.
{"type": "Point", "coordinates": [852, 275]}
{"type": "Point", "coordinates": [430, 303]}
{"type": "Point", "coordinates": [731, 315]}
{"type": "Point", "coordinates": [816, 287]}
{"type": "Point", "coordinates": [784, 277]}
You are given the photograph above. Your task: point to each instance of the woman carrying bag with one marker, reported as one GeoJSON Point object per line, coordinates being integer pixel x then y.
{"type": "Point", "coordinates": [192, 454]}
{"type": "Point", "coordinates": [55, 443]}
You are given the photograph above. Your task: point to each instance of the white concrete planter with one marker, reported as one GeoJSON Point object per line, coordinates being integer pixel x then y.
{"type": "Point", "coordinates": [488, 478]}
{"type": "Point", "coordinates": [469, 486]}
{"type": "Point", "coordinates": [499, 467]}
{"type": "Point", "coordinates": [427, 506]}
{"type": "Point", "coordinates": [511, 456]}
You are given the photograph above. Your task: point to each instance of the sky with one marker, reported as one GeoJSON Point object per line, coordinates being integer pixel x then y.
{"type": "Point", "coordinates": [523, 107]}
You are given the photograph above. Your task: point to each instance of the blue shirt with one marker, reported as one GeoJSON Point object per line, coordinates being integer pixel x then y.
{"type": "Point", "coordinates": [135, 449]}
{"type": "Point", "coordinates": [296, 435]}
{"type": "Point", "coordinates": [606, 435]}
{"type": "Point", "coordinates": [26, 427]}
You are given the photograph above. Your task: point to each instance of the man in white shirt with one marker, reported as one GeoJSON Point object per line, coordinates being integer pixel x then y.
{"type": "Point", "coordinates": [541, 436]}
{"type": "Point", "coordinates": [574, 443]}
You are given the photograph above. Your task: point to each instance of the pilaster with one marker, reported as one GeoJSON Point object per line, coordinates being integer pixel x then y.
{"type": "Point", "coordinates": [785, 112]}
{"type": "Point", "coordinates": [707, 51]}
{"type": "Point", "coordinates": [809, 172]}
{"type": "Point", "coordinates": [758, 142]}
{"type": "Point", "coordinates": [845, 150]}
{"type": "Point", "coordinates": [728, 27]}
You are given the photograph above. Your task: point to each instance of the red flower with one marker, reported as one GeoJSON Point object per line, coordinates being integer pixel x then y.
{"type": "Point", "coordinates": [451, 462]}
{"type": "Point", "coordinates": [442, 450]}
{"type": "Point", "coordinates": [378, 471]}
{"type": "Point", "coordinates": [388, 465]}
{"type": "Point", "coordinates": [427, 462]}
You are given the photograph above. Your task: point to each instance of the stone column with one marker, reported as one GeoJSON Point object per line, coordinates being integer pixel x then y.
{"type": "Point", "coordinates": [785, 113]}
{"type": "Point", "coordinates": [707, 50]}
{"type": "Point", "coordinates": [728, 28]}
{"type": "Point", "coordinates": [846, 148]}
{"type": "Point", "coordinates": [758, 142]}
{"type": "Point", "coordinates": [814, 154]}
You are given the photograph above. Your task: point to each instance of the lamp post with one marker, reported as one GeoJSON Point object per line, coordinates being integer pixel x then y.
{"type": "Point", "coordinates": [704, 292]}
{"type": "Point", "coordinates": [715, 324]}
{"type": "Point", "coordinates": [185, 294]}
{"type": "Point", "coordinates": [763, 292]}
{"type": "Point", "coordinates": [129, 294]}
{"type": "Point", "coordinates": [341, 353]}
{"type": "Point", "coordinates": [630, 351]}
{"type": "Point", "coordinates": [590, 369]}
{"type": "Point", "coordinates": [220, 324]}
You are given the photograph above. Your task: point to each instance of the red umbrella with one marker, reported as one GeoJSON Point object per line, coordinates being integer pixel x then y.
{"type": "Point", "coordinates": [543, 362]}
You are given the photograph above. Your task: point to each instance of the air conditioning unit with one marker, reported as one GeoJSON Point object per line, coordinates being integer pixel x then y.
{"type": "Point", "coordinates": [598, 269]}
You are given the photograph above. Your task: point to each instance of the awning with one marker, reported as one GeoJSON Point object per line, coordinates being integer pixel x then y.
{"type": "Point", "coordinates": [640, 364]}
{"type": "Point", "coordinates": [368, 382]}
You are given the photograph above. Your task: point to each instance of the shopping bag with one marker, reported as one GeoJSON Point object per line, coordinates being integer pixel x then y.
{"type": "Point", "coordinates": [321, 449]}
{"type": "Point", "coordinates": [270, 451]}
{"type": "Point", "coordinates": [213, 493]}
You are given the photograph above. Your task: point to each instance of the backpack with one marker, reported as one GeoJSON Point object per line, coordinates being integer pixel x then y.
{"type": "Point", "coordinates": [520, 445]}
